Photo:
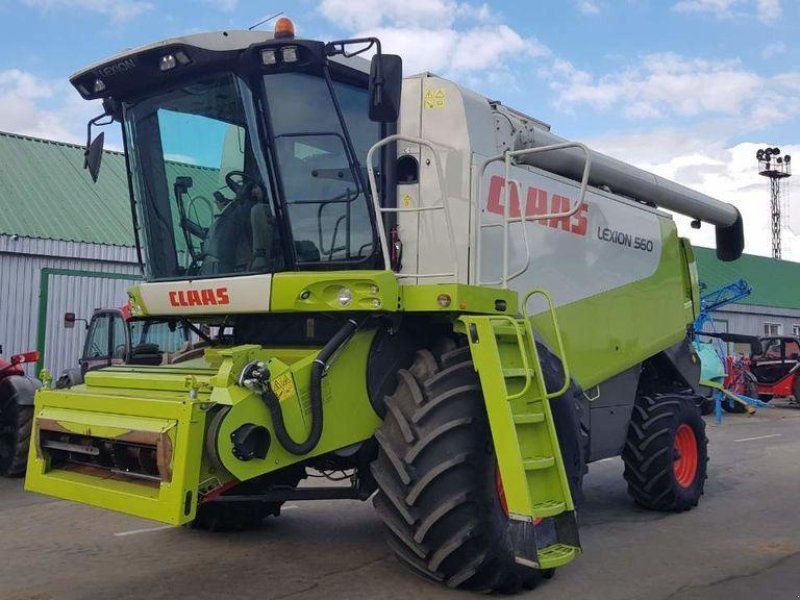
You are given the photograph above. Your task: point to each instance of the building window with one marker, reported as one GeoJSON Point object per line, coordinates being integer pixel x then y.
{"type": "Point", "coordinates": [796, 330]}
{"type": "Point", "coordinates": [772, 329]}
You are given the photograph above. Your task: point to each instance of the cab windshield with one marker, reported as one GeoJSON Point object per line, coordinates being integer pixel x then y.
{"type": "Point", "coordinates": [225, 188]}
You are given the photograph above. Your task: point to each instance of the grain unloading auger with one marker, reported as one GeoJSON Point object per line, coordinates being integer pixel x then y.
{"type": "Point", "coordinates": [386, 280]}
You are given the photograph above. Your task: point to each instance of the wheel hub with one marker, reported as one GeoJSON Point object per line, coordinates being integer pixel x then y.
{"type": "Point", "coordinates": [685, 456]}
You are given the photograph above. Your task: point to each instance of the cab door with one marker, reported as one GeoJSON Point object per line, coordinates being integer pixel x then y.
{"type": "Point", "coordinates": [106, 342]}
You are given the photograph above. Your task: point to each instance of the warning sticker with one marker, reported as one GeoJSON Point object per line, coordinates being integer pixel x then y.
{"type": "Point", "coordinates": [406, 200]}
{"type": "Point", "coordinates": [283, 387]}
{"type": "Point", "coordinates": [435, 98]}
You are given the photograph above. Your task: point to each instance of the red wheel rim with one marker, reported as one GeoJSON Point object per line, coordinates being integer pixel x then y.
{"type": "Point", "coordinates": [501, 493]}
{"type": "Point", "coordinates": [685, 455]}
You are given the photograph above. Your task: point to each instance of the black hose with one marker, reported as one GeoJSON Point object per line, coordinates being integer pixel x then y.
{"type": "Point", "coordinates": [317, 370]}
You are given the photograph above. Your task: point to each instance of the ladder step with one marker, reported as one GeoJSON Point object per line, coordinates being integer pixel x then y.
{"type": "Point", "coordinates": [528, 418]}
{"type": "Point", "coordinates": [550, 508]}
{"type": "Point", "coordinates": [538, 462]}
{"type": "Point", "coordinates": [509, 373]}
{"type": "Point", "coordinates": [556, 555]}
{"type": "Point", "coordinates": [504, 330]}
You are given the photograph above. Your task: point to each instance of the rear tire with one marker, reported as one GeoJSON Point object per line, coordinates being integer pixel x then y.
{"type": "Point", "coordinates": [15, 437]}
{"type": "Point", "coordinates": [435, 470]}
{"type": "Point", "coordinates": [666, 453]}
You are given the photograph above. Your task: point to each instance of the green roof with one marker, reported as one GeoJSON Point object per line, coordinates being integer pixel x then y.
{"type": "Point", "coordinates": [775, 283]}
{"type": "Point", "coordinates": [46, 193]}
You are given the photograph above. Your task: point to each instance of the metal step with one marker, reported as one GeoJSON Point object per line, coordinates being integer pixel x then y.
{"type": "Point", "coordinates": [556, 555]}
{"type": "Point", "coordinates": [536, 463]}
{"type": "Point", "coordinates": [528, 418]}
{"type": "Point", "coordinates": [511, 373]}
{"type": "Point", "coordinates": [551, 508]}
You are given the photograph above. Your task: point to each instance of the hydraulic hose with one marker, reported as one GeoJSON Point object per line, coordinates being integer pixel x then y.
{"type": "Point", "coordinates": [317, 371]}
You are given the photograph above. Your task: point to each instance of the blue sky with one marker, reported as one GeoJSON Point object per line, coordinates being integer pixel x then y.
{"type": "Point", "coordinates": [686, 88]}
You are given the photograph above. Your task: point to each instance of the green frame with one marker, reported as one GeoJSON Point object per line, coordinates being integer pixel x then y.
{"type": "Point", "coordinates": [44, 294]}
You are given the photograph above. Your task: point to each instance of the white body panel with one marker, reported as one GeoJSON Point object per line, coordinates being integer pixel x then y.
{"type": "Point", "coordinates": [610, 242]}
{"type": "Point", "coordinates": [223, 295]}
{"type": "Point", "coordinates": [620, 241]}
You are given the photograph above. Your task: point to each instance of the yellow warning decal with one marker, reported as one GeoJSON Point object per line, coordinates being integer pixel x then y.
{"type": "Point", "coordinates": [283, 387]}
{"type": "Point", "coordinates": [406, 200]}
{"type": "Point", "coordinates": [435, 98]}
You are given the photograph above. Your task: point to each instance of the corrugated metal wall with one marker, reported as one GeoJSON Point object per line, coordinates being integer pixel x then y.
{"type": "Point", "coordinates": [21, 263]}
{"type": "Point", "coordinates": [750, 320]}
{"type": "Point", "coordinates": [81, 295]}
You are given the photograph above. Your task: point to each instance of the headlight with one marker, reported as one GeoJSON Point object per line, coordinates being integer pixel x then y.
{"type": "Point", "coordinates": [345, 296]}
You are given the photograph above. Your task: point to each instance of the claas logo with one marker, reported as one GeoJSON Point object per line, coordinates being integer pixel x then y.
{"type": "Point", "coordinates": [204, 297]}
{"type": "Point", "coordinates": [538, 202]}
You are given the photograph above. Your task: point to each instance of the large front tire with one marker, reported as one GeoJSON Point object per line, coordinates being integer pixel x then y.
{"type": "Point", "coordinates": [666, 453]}
{"type": "Point", "coordinates": [15, 437]}
{"type": "Point", "coordinates": [436, 476]}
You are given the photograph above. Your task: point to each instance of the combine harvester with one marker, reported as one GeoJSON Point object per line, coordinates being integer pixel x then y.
{"type": "Point", "coordinates": [408, 282]}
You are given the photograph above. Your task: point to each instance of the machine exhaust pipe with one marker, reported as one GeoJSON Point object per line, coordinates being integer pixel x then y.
{"type": "Point", "coordinates": [628, 180]}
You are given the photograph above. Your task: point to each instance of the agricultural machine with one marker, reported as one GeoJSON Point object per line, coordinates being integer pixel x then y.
{"type": "Point", "coordinates": [16, 412]}
{"type": "Point", "coordinates": [113, 338]}
{"type": "Point", "coordinates": [403, 281]}
{"type": "Point", "coordinates": [775, 366]}
{"type": "Point", "coordinates": [724, 380]}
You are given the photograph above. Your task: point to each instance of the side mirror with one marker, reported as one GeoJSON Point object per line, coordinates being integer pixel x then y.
{"type": "Point", "coordinates": [69, 320]}
{"type": "Point", "coordinates": [183, 183]}
{"type": "Point", "coordinates": [385, 85]}
{"type": "Point", "coordinates": [93, 155]}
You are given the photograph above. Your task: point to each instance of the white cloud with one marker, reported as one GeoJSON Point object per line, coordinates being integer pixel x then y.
{"type": "Point", "coordinates": [701, 160]}
{"type": "Point", "coordinates": [30, 105]}
{"type": "Point", "coordinates": [722, 9]}
{"type": "Point", "coordinates": [588, 7]}
{"type": "Point", "coordinates": [371, 14]}
{"type": "Point", "coordinates": [774, 49]}
{"type": "Point", "coordinates": [767, 11]}
{"type": "Point", "coordinates": [668, 85]}
{"type": "Point", "coordinates": [436, 35]}
{"type": "Point", "coordinates": [117, 10]}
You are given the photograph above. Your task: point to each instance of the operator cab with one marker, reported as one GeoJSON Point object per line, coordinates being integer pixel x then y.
{"type": "Point", "coordinates": [777, 358]}
{"type": "Point", "coordinates": [245, 151]}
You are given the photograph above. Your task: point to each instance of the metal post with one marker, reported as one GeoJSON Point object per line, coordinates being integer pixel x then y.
{"type": "Point", "coordinates": [775, 167]}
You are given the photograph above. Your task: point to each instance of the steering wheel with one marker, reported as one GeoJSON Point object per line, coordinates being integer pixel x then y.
{"type": "Point", "coordinates": [238, 180]}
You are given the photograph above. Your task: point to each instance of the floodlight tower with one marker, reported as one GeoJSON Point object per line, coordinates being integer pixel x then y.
{"type": "Point", "coordinates": [771, 164]}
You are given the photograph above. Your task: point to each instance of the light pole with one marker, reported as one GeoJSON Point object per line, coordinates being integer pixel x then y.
{"type": "Point", "coordinates": [776, 167]}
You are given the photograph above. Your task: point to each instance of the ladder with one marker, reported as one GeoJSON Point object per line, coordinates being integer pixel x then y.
{"type": "Point", "coordinates": [542, 519]}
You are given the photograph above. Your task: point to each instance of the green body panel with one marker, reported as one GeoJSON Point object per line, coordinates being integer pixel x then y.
{"type": "Point", "coordinates": [608, 333]}
{"type": "Point", "coordinates": [317, 292]}
{"type": "Point", "coordinates": [462, 299]}
{"type": "Point", "coordinates": [179, 401]}
{"type": "Point", "coordinates": [86, 411]}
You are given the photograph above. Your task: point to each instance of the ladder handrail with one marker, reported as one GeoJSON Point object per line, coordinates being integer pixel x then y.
{"type": "Point", "coordinates": [444, 206]}
{"type": "Point", "coordinates": [507, 157]}
{"type": "Point", "coordinates": [559, 341]}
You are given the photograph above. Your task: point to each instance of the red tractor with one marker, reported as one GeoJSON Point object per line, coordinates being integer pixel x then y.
{"type": "Point", "coordinates": [16, 412]}
{"type": "Point", "coordinates": [776, 366]}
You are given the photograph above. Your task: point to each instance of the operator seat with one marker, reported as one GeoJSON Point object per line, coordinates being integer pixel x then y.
{"type": "Point", "coordinates": [262, 226]}
{"type": "Point", "coordinates": [227, 247]}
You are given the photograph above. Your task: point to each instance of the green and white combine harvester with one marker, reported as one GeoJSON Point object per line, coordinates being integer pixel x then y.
{"type": "Point", "coordinates": [397, 278]}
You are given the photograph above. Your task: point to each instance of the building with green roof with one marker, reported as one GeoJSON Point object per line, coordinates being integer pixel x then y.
{"type": "Point", "coordinates": [66, 245]}
{"type": "Point", "coordinates": [774, 306]}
